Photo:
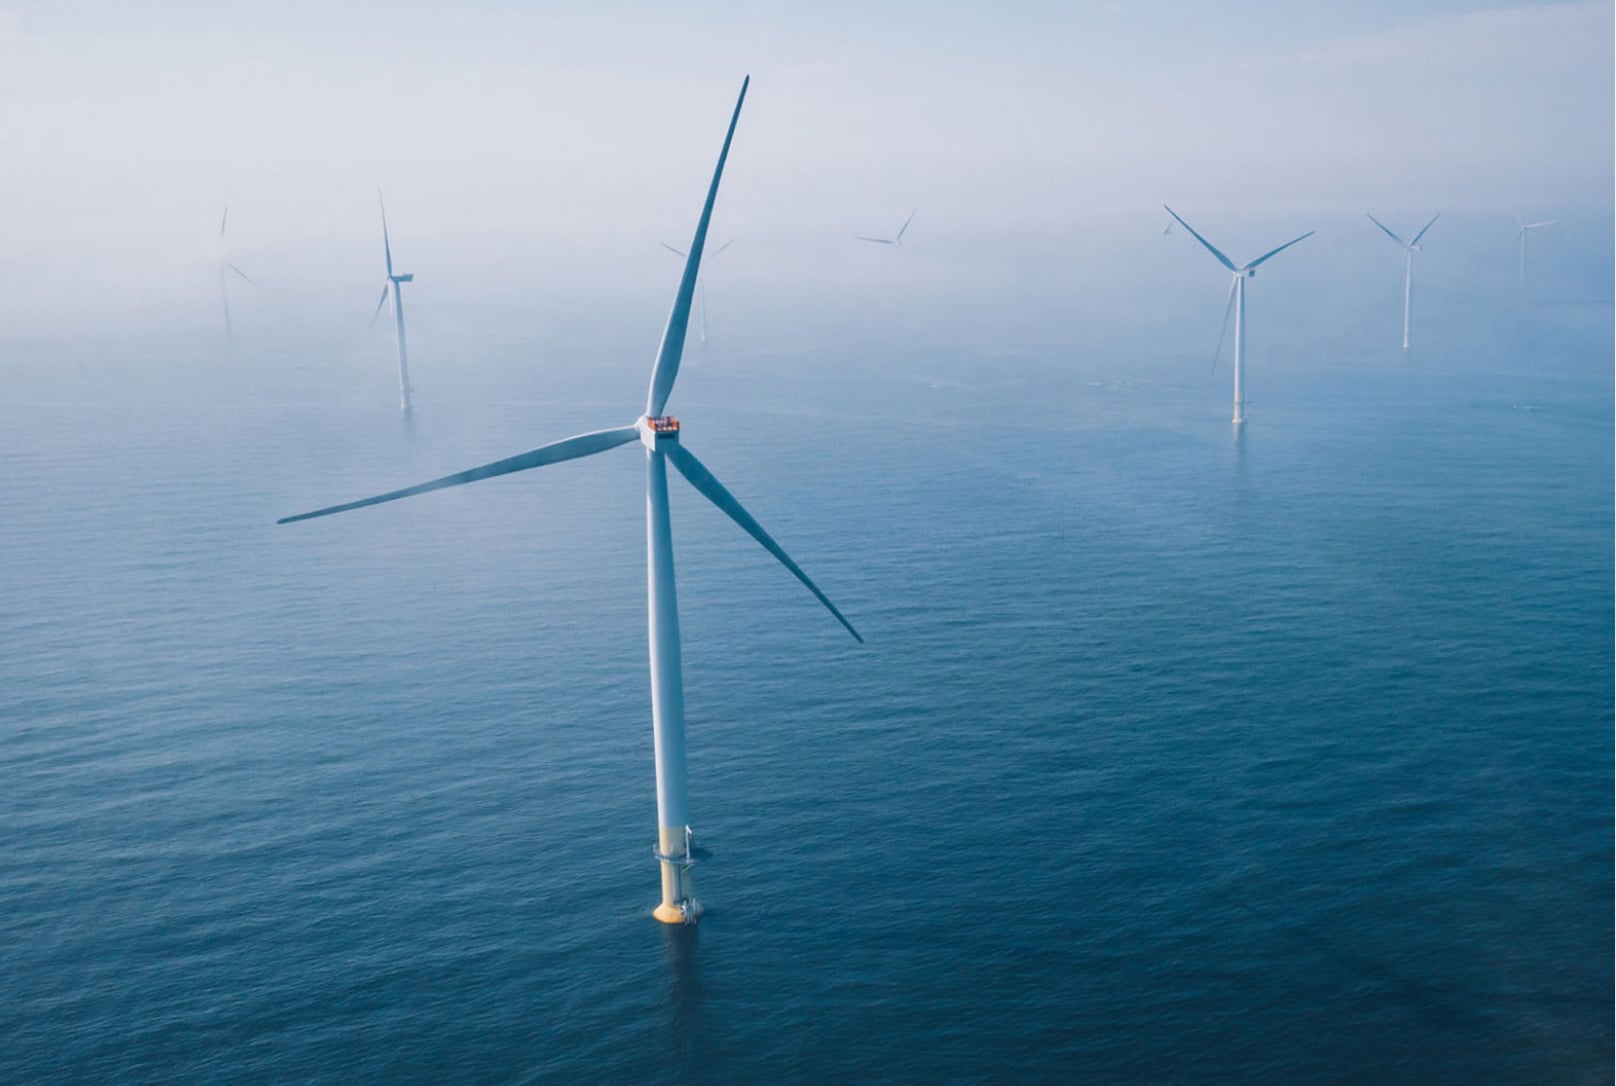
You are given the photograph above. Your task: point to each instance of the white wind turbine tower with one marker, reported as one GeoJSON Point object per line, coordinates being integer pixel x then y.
{"type": "Point", "coordinates": [1237, 302]}
{"type": "Point", "coordinates": [1409, 249]}
{"type": "Point", "coordinates": [1527, 228]}
{"type": "Point", "coordinates": [659, 433]}
{"type": "Point", "coordinates": [701, 290]}
{"type": "Point", "coordinates": [393, 283]}
{"type": "Point", "coordinates": [225, 266]}
{"type": "Point", "coordinates": [894, 241]}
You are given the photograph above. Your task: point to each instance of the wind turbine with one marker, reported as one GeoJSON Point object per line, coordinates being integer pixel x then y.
{"type": "Point", "coordinates": [659, 433]}
{"type": "Point", "coordinates": [1409, 249]}
{"type": "Point", "coordinates": [1237, 302]}
{"type": "Point", "coordinates": [226, 266]}
{"type": "Point", "coordinates": [392, 283]}
{"type": "Point", "coordinates": [702, 290]}
{"type": "Point", "coordinates": [1526, 228]}
{"type": "Point", "coordinates": [895, 241]}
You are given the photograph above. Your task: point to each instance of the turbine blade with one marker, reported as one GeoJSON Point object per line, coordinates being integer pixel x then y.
{"type": "Point", "coordinates": [680, 253]}
{"type": "Point", "coordinates": [878, 241]}
{"type": "Point", "coordinates": [1275, 252]}
{"type": "Point", "coordinates": [239, 272]}
{"type": "Point", "coordinates": [1545, 222]}
{"type": "Point", "coordinates": [673, 336]}
{"type": "Point", "coordinates": [1213, 249]}
{"type": "Point", "coordinates": [721, 248]}
{"type": "Point", "coordinates": [1426, 227]}
{"type": "Point", "coordinates": [1388, 232]}
{"type": "Point", "coordinates": [379, 303]}
{"type": "Point", "coordinates": [713, 490]}
{"type": "Point", "coordinates": [566, 449]}
{"type": "Point", "coordinates": [224, 219]}
{"type": "Point", "coordinates": [224, 302]}
{"type": "Point", "coordinates": [906, 223]}
{"type": "Point", "coordinates": [387, 246]}
{"type": "Point", "coordinates": [1228, 311]}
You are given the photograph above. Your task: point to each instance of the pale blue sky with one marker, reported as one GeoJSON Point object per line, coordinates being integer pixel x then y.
{"type": "Point", "coordinates": [586, 125]}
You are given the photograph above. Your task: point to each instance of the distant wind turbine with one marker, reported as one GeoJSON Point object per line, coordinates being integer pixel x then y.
{"type": "Point", "coordinates": [1409, 249]}
{"type": "Point", "coordinates": [1526, 228]}
{"type": "Point", "coordinates": [393, 283]}
{"type": "Point", "coordinates": [1237, 303]}
{"type": "Point", "coordinates": [702, 289]}
{"type": "Point", "coordinates": [659, 433]}
{"type": "Point", "coordinates": [226, 266]}
{"type": "Point", "coordinates": [898, 240]}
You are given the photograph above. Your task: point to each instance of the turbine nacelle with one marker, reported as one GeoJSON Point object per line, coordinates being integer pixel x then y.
{"type": "Point", "coordinates": [410, 278]}
{"type": "Point", "coordinates": [658, 432]}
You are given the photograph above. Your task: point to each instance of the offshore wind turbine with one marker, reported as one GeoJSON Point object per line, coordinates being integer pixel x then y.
{"type": "Point", "coordinates": [896, 240]}
{"type": "Point", "coordinates": [1237, 302]}
{"type": "Point", "coordinates": [701, 289]}
{"type": "Point", "coordinates": [1527, 228]}
{"type": "Point", "coordinates": [393, 283]}
{"type": "Point", "coordinates": [225, 266]}
{"type": "Point", "coordinates": [1409, 249]}
{"type": "Point", "coordinates": [659, 434]}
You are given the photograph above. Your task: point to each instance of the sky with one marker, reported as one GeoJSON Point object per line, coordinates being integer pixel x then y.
{"type": "Point", "coordinates": [527, 146]}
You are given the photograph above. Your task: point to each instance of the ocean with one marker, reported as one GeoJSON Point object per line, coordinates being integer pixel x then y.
{"type": "Point", "coordinates": [1174, 754]}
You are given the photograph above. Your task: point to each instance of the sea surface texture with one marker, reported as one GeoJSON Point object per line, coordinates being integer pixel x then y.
{"type": "Point", "coordinates": [1173, 755]}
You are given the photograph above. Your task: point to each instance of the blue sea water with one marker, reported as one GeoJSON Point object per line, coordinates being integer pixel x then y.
{"type": "Point", "coordinates": [1173, 755]}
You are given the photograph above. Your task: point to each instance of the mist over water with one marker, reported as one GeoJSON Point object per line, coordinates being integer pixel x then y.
{"type": "Point", "coordinates": [1173, 754]}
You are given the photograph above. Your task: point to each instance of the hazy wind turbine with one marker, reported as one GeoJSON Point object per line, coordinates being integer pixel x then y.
{"type": "Point", "coordinates": [898, 240]}
{"type": "Point", "coordinates": [1409, 249]}
{"type": "Point", "coordinates": [1237, 302]}
{"type": "Point", "coordinates": [702, 289]}
{"type": "Point", "coordinates": [659, 433]}
{"type": "Point", "coordinates": [1526, 228]}
{"type": "Point", "coordinates": [392, 283]}
{"type": "Point", "coordinates": [226, 266]}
